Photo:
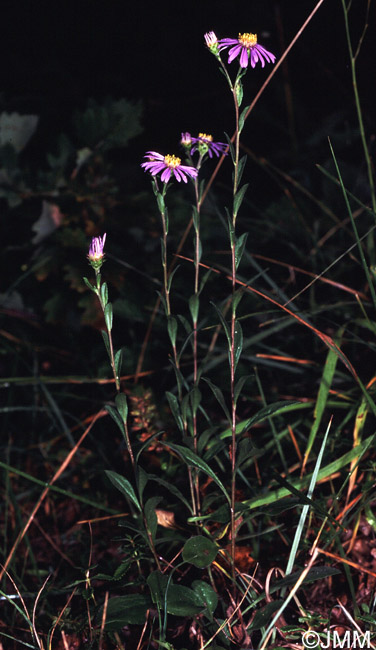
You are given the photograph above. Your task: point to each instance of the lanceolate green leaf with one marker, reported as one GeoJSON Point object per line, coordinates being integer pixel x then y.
{"type": "Point", "coordinates": [151, 516]}
{"type": "Point", "coordinates": [118, 362]}
{"type": "Point", "coordinates": [108, 316]}
{"type": "Point", "coordinates": [124, 486]}
{"type": "Point", "coordinates": [142, 479]}
{"type": "Point", "coordinates": [239, 248]}
{"type": "Point", "coordinates": [122, 406]}
{"type": "Point", "coordinates": [271, 410]}
{"type": "Point", "coordinates": [171, 488]}
{"type": "Point", "coordinates": [224, 324]}
{"type": "Point", "coordinates": [106, 342]}
{"type": "Point", "coordinates": [116, 417]}
{"type": "Point", "coordinates": [104, 294]}
{"type": "Point", "coordinates": [238, 198]}
{"type": "Point", "coordinates": [89, 285]}
{"type": "Point", "coordinates": [195, 461]}
{"type": "Point", "coordinates": [194, 304]}
{"type": "Point", "coordinates": [219, 396]}
{"type": "Point", "coordinates": [238, 342]}
{"type": "Point", "coordinates": [174, 406]}
{"type": "Point", "coordinates": [172, 328]}
{"type": "Point", "coordinates": [323, 393]}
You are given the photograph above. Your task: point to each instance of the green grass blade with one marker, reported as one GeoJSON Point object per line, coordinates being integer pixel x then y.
{"type": "Point", "coordinates": [322, 395]}
{"type": "Point", "coordinates": [304, 513]}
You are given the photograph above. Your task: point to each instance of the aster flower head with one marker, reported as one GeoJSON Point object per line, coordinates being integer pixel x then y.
{"type": "Point", "coordinates": [167, 165]}
{"type": "Point", "coordinates": [186, 140]}
{"type": "Point", "coordinates": [204, 144]}
{"type": "Point", "coordinates": [212, 42]}
{"type": "Point", "coordinates": [96, 254]}
{"type": "Point", "coordinates": [250, 51]}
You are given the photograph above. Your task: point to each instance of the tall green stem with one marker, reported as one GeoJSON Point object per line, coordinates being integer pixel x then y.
{"type": "Point", "coordinates": [357, 101]}
{"type": "Point", "coordinates": [233, 323]}
{"type": "Point", "coordinates": [111, 346]}
{"type": "Point", "coordinates": [195, 312]}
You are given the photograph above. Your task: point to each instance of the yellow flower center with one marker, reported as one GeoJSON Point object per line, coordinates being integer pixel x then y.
{"type": "Point", "coordinates": [205, 137]}
{"type": "Point", "coordinates": [172, 161]}
{"type": "Point", "coordinates": [248, 40]}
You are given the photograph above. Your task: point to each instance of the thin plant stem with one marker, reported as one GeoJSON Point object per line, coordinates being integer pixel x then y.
{"type": "Point", "coordinates": [166, 289]}
{"type": "Point", "coordinates": [112, 356]}
{"type": "Point", "coordinates": [353, 58]}
{"type": "Point", "coordinates": [164, 220]}
{"type": "Point", "coordinates": [194, 322]}
{"type": "Point", "coordinates": [215, 172]}
{"type": "Point", "coordinates": [232, 350]}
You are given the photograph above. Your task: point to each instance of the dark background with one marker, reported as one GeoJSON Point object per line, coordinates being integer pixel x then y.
{"type": "Point", "coordinates": [57, 54]}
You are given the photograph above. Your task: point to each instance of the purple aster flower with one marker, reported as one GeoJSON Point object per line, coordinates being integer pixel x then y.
{"type": "Point", "coordinates": [186, 139]}
{"type": "Point", "coordinates": [204, 144]}
{"type": "Point", "coordinates": [246, 45]}
{"type": "Point", "coordinates": [166, 164]}
{"type": "Point", "coordinates": [96, 254]}
{"type": "Point", "coordinates": [212, 42]}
